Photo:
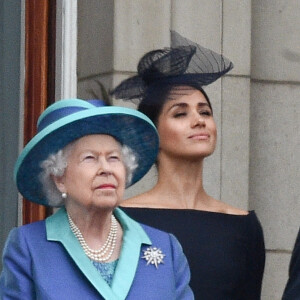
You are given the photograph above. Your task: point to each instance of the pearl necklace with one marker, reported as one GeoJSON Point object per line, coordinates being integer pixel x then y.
{"type": "Point", "coordinates": [109, 245]}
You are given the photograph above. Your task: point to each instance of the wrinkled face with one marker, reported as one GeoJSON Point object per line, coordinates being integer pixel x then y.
{"type": "Point", "coordinates": [186, 126]}
{"type": "Point", "coordinates": [95, 175]}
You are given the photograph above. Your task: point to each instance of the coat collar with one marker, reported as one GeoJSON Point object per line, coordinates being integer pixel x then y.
{"type": "Point", "coordinates": [134, 236]}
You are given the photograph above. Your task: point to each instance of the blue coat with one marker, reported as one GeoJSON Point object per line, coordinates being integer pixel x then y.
{"type": "Point", "coordinates": [44, 260]}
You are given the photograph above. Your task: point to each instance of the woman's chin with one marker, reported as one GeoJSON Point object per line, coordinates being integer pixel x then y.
{"type": "Point", "coordinates": [108, 199]}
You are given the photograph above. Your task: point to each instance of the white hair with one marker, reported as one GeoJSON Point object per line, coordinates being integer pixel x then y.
{"type": "Point", "coordinates": [56, 164]}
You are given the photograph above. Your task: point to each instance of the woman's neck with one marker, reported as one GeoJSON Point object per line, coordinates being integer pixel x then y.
{"type": "Point", "coordinates": [179, 186]}
{"type": "Point", "coordinates": [180, 170]}
{"type": "Point", "coordinates": [180, 182]}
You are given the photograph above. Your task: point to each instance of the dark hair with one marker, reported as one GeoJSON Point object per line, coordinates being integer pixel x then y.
{"type": "Point", "coordinates": [158, 94]}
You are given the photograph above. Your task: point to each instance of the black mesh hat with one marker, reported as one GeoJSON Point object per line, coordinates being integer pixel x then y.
{"type": "Point", "coordinates": [184, 63]}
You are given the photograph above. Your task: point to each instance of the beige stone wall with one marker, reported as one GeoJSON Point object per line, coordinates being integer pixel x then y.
{"type": "Point", "coordinates": [256, 164]}
{"type": "Point", "coordinates": [275, 126]}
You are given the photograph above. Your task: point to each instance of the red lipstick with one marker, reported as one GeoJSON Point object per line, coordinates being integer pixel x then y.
{"type": "Point", "coordinates": [106, 186]}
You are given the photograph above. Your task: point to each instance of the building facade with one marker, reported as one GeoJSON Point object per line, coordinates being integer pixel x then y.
{"type": "Point", "coordinates": [256, 106]}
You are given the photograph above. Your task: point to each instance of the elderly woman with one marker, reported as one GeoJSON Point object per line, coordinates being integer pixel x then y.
{"type": "Point", "coordinates": [82, 158]}
{"type": "Point", "coordinates": [224, 244]}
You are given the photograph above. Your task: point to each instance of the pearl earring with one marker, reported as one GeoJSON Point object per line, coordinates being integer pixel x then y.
{"type": "Point", "coordinates": [64, 195]}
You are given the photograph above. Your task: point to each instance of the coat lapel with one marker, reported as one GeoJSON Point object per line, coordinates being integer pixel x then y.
{"type": "Point", "coordinates": [133, 237]}
{"type": "Point", "coordinates": [57, 227]}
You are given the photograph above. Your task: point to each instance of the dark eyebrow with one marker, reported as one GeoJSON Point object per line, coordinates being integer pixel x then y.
{"type": "Point", "coordinates": [181, 104]}
{"type": "Point", "coordinates": [203, 104]}
{"type": "Point", "coordinates": [184, 105]}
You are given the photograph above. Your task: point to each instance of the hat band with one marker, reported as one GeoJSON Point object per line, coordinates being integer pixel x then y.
{"type": "Point", "coordinates": [57, 114]}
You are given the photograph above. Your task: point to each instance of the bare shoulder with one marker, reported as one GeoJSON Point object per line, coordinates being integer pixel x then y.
{"type": "Point", "coordinates": [234, 210]}
{"type": "Point", "coordinates": [225, 208]}
{"type": "Point", "coordinates": [237, 211]}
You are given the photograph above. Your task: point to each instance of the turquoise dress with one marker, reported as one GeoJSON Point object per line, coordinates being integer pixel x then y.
{"type": "Point", "coordinates": [106, 270]}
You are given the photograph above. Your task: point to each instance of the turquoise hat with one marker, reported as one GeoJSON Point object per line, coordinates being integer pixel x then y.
{"type": "Point", "coordinates": [70, 119]}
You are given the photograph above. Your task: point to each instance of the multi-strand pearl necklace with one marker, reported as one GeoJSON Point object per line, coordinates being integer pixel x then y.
{"type": "Point", "coordinates": [106, 251]}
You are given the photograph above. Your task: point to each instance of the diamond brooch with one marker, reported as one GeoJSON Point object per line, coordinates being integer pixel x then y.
{"type": "Point", "coordinates": [153, 256]}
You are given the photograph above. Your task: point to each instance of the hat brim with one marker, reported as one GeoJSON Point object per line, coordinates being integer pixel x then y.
{"type": "Point", "coordinates": [128, 126]}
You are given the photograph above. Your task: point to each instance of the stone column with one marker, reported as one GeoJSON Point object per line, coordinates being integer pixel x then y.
{"type": "Point", "coordinates": [274, 139]}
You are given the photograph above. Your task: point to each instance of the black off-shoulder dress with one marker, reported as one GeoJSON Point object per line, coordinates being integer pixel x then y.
{"type": "Point", "coordinates": [226, 253]}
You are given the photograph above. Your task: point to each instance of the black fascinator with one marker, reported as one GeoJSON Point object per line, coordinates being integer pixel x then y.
{"type": "Point", "coordinates": [184, 63]}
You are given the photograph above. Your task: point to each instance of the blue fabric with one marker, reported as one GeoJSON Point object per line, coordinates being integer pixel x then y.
{"type": "Point", "coordinates": [37, 268]}
{"type": "Point", "coordinates": [57, 228]}
{"type": "Point", "coordinates": [51, 116]}
{"type": "Point", "coordinates": [56, 115]}
{"type": "Point", "coordinates": [106, 270]}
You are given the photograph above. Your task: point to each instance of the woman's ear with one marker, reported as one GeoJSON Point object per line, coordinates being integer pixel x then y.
{"type": "Point", "coordinates": [60, 183]}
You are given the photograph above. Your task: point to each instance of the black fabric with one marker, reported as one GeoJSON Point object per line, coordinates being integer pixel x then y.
{"type": "Point", "coordinates": [184, 63]}
{"type": "Point", "coordinates": [226, 253]}
{"type": "Point", "coordinates": [292, 289]}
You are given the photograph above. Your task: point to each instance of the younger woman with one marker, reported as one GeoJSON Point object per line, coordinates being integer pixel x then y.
{"type": "Point", "coordinates": [224, 244]}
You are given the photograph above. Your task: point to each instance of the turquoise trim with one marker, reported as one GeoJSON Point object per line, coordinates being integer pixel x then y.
{"type": "Point", "coordinates": [95, 112]}
{"type": "Point", "coordinates": [62, 126]}
{"type": "Point", "coordinates": [134, 236]}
